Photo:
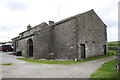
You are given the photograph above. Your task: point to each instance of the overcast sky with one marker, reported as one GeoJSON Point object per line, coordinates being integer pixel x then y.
{"type": "Point", "coordinates": [15, 15]}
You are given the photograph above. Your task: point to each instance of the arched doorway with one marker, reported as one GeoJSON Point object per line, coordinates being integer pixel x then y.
{"type": "Point", "coordinates": [30, 47]}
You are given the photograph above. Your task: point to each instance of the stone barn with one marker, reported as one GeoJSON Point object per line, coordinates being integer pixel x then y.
{"type": "Point", "coordinates": [77, 37]}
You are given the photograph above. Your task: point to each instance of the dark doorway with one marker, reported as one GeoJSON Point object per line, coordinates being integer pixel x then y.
{"type": "Point", "coordinates": [105, 51]}
{"type": "Point", "coordinates": [82, 50]}
{"type": "Point", "coordinates": [30, 48]}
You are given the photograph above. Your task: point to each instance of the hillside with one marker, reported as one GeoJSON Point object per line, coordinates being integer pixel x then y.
{"type": "Point", "coordinates": [114, 44]}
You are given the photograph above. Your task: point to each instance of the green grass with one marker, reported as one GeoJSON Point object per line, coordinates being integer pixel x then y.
{"type": "Point", "coordinates": [112, 52]}
{"type": "Point", "coordinates": [62, 62]}
{"type": "Point", "coordinates": [107, 70]}
{"type": "Point", "coordinates": [7, 64]}
{"type": "Point", "coordinates": [114, 44]}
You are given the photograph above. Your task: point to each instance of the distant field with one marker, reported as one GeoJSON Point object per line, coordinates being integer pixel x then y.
{"type": "Point", "coordinates": [114, 44]}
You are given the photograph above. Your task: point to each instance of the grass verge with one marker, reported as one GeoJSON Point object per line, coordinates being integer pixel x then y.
{"type": "Point", "coordinates": [62, 62]}
{"type": "Point", "coordinates": [112, 52]}
{"type": "Point", "coordinates": [107, 70]}
{"type": "Point", "coordinates": [7, 64]}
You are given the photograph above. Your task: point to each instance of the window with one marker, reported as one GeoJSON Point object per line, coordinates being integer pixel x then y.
{"type": "Point", "coordinates": [93, 43]}
{"type": "Point", "coordinates": [17, 44]}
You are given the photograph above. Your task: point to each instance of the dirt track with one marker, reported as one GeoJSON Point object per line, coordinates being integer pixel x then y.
{"type": "Point", "coordinates": [22, 69]}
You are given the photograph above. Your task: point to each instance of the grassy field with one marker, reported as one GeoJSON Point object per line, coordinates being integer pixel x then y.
{"type": "Point", "coordinates": [62, 62]}
{"type": "Point", "coordinates": [114, 44]}
{"type": "Point", "coordinates": [112, 52]}
{"type": "Point", "coordinates": [7, 64]}
{"type": "Point", "coordinates": [107, 70]}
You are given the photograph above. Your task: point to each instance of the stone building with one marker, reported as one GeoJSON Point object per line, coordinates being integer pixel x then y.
{"type": "Point", "coordinates": [80, 36]}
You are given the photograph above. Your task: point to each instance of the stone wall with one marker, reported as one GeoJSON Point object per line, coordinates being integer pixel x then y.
{"type": "Point", "coordinates": [22, 46]}
{"type": "Point", "coordinates": [20, 42]}
{"type": "Point", "coordinates": [118, 61]}
{"type": "Point", "coordinates": [113, 48]}
{"type": "Point", "coordinates": [64, 38]}
{"type": "Point", "coordinates": [91, 32]}
{"type": "Point", "coordinates": [42, 42]}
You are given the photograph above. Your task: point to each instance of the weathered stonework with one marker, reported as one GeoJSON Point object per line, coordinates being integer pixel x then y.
{"type": "Point", "coordinates": [118, 64]}
{"type": "Point", "coordinates": [118, 60]}
{"type": "Point", "coordinates": [80, 36]}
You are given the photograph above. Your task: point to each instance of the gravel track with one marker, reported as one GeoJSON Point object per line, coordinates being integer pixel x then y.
{"type": "Point", "coordinates": [22, 69]}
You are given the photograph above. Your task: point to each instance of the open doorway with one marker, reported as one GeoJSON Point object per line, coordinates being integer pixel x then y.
{"type": "Point", "coordinates": [82, 48]}
{"type": "Point", "coordinates": [105, 51]}
{"type": "Point", "coordinates": [30, 47]}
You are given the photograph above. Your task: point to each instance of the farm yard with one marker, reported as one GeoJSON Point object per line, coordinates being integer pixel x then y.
{"type": "Point", "coordinates": [14, 68]}
{"type": "Point", "coordinates": [20, 67]}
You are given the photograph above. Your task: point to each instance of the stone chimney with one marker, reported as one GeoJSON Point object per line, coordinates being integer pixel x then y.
{"type": "Point", "coordinates": [51, 22]}
{"type": "Point", "coordinates": [28, 27]}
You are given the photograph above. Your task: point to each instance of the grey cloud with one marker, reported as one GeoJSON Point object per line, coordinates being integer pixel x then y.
{"type": "Point", "coordinates": [7, 28]}
{"type": "Point", "coordinates": [4, 28]}
{"type": "Point", "coordinates": [17, 6]}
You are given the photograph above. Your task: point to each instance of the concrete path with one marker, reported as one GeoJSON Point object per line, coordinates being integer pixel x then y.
{"type": "Point", "coordinates": [22, 69]}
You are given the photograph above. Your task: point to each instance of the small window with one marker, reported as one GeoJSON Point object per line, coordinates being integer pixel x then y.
{"type": "Point", "coordinates": [93, 43]}
{"type": "Point", "coordinates": [17, 44]}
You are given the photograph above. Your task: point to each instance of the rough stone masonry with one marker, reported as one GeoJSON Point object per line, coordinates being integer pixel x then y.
{"type": "Point", "coordinates": [77, 37]}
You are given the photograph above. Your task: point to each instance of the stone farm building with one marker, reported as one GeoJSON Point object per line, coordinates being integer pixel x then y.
{"type": "Point", "coordinates": [80, 36]}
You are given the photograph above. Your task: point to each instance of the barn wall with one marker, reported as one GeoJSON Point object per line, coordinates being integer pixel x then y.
{"type": "Point", "coordinates": [91, 32]}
